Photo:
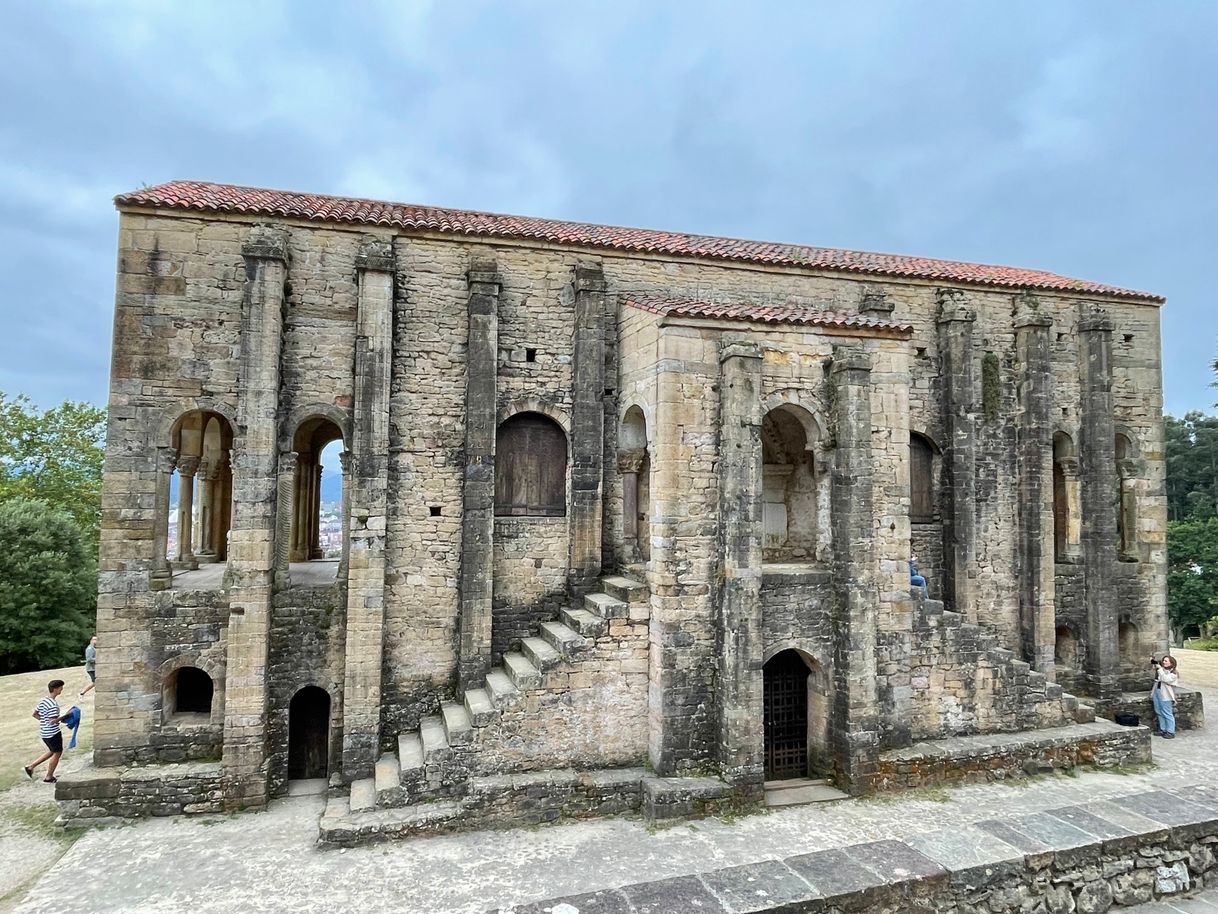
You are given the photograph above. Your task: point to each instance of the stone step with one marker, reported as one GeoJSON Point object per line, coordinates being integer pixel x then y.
{"type": "Point", "coordinates": [1084, 714]}
{"type": "Point", "coordinates": [588, 624]}
{"type": "Point", "coordinates": [1069, 702]}
{"type": "Point", "coordinates": [337, 808]}
{"type": "Point", "coordinates": [458, 728]}
{"type": "Point", "coordinates": [540, 654]}
{"type": "Point", "coordinates": [435, 743]}
{"type": "Point", "coordinates": [410, 752]}
{"type": "Point", "coordinates": [479, 707]}
{"type": "Point", "coordinates": [625, 589]}
{"type": "Point", "coordinates": [563, 638]}
{"type": "Point", "coordinates": [388, 774]}
{"type": "Point", "coordinates": [363, 795]}
{"type": "Point", "coordinates": [523, 674]}
{"type": "Point", "coordinates": [605, 606]}
{"type": "Point", "coordinates": [502, 690]}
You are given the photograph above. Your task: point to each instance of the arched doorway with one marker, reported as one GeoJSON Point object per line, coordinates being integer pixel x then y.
{"type": "Point", "coordinates": [796, 717]}
{"type": "Point", "coordinates": [634, 463]}
{"type": "Point", "coordinates": [309, 734]}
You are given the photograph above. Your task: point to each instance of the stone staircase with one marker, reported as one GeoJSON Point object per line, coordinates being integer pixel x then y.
{"type": "Point", "coordinates": [435, 761]}
{"type": "Point", "coordinates": [1006, 665]}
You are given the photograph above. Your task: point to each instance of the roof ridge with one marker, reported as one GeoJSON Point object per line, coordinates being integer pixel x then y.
{"type": "Point", "coordinates": [207, 196]}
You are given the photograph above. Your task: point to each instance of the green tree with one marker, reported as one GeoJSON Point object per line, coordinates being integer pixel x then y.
{"type": "Point", "coordinates": [54, 456]}
{"type": "Point", "coordinates": [48, 585]}
{"type": "Point", "coordinates": [1192, 466]}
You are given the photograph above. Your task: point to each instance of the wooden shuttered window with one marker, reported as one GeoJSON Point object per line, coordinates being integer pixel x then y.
{"type": "Point", "coordinates": [921, 480]}
{"type": "Point", "coordinates": [530, 467]}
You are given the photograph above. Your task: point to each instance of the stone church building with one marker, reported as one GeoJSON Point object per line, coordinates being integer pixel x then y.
{"type": "Point", "coordinates": [627, 516]}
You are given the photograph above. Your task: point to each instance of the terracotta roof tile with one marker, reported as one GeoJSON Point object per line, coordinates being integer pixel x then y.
{"type": "Point", "coordinates": [227, 198]}
{"type": "Point", "coordinates": [766, 314]}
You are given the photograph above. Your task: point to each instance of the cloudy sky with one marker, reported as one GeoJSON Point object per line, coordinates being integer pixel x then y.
{"type": "Point", "coordinates": [1077, 137]}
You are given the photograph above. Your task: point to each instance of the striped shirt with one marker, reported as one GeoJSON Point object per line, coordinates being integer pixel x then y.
{"type": "Point", "coordinates": [48, 717]}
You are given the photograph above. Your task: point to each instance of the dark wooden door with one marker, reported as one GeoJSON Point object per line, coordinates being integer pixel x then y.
{"type": "Point", "coordinates": [309, 734]}
{"type": "Point", "coordinates": [786, 717]}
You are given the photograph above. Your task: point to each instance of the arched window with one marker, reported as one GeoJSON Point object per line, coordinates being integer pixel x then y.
{"type": "Point", "coordinates": [789, 515]}
{"type": "Point", "coordinates": [188, 690]}
{"type": "Point", "coordinates": [530, 467]}
{"type": "Point", "coordinates": [317, 509]}
{"type": "Point", "coordinates": [194, 499]}
{"type": "Point", "coordinates": [921, 479]}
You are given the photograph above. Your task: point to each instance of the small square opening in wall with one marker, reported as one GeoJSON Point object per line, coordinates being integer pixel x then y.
{"type": "Point", "coordinates": [1061, 337]}
{"type": "Point", "coordinates": [435, 510]}
{"type": "Point", "coordinates": [530, 355]}
{"type": "Point", "coordinates": [1128, 337]}
{"type": "Point", "coordinates": [921, 351]}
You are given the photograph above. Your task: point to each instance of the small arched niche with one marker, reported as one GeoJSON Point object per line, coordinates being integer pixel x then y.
{"type": "Point", "coordinates": [1065, 498]}
{"type": "Point", "coordinates": [1127, 512]}
{"type": "Point", "coordinates": [789, 484]}
{"type": "Point", "coordinates": [187, 695]}
{"type": "Point", "coordinates": [634, 465]}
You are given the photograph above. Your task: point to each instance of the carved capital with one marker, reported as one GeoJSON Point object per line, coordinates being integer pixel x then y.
{"type": "Point", "coordinates": [874, 300]}
{"type": "Point", "coordinates": [1097, 320]}
{"type": "Point", "coordinates": [1069, 467]}
{"type": "Point", "coordinates": [266, 242]}
{"type": "Point", "coordinates": [375, 254]}
{"type": "Point", "coordinates": [287, 461]}
{"type": "Point", "coordinates": [166, 460]}
{"type": "Point", "coordinates": [483, 278]}
{"type": "Point", "coordinates": [590, 278]}
{"type": "Point", "coordinates": [188, 466]}
{"type": "Point", "coordinates": [953, 306]}
{"type": "Point", "coordinates": [630, 460]}
{"type": "Point", "coordinates": [850, 358]}
{"type": "Point", "coordinates": [344, 459]}
{"type": "Point", "coordinates": [739, 349]}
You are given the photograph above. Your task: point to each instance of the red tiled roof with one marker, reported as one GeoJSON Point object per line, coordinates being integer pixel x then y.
{"type": "Point", "coordinates": [200, 196]}
{"type": "Point", "coordinates": [766, 314]}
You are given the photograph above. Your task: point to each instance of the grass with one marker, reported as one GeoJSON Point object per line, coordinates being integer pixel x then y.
{"type": "Point", "coordinates": [19, 742]}
{"type": "Point", "coordinates": [1202, 644]}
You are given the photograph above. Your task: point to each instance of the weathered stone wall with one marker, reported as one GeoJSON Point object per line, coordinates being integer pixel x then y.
{"type": "Point", "coordinates": [530, 578]}
{"type": "Point", "coordinates": [97, 796]}
{"type": "Point", "coordinates": [961, 685]}
{"type": "Point", "coordinates": [797, 612]}
{"type": "Point", "coordinates": [308, 637]}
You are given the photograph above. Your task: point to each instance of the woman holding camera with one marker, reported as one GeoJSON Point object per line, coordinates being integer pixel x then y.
{"type": "Point", "coordinates": [1163, 694]}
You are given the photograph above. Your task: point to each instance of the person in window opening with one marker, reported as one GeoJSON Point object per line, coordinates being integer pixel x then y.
{"type": "Point", "coordinates": [915, 579]}
{"type": "Point", "coordinates": [1163, 694]}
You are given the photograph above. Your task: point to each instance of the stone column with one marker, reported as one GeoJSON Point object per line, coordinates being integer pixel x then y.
{"type": "Point", "coordinates": [369, 510]}
{"type": "Point", "coordinates": [206, 553]}
{"type": "Point", "coordinates": [587, 427]}
{"type": "Point", "coordinates": [315, 550]}
{"type": "Point", "coordinates": [284, 509]}
{"type": "Point", "coordinates": [298, 547]}
{"type": "Point", "coordinates": [478, 494]}
{"type": "Point", "coordinates": [187, 467]}
{"type": "Point", "coordinates": [1100, 498]}
{"type": "Point", "coordinates": [629, 462]}
{"type": "Point", "coordinates": [251, 558]}
{"type": "Point", "coordinates": [345, 517]}
{"type": "Point", "coordinates": [854, 736]}
{"type": "Point", "coordinates": [960, 449]}
{"type": "Point", "coordinates": [741, 732]}
{"type": "Point", "coordinates": [1034, 448]}
{"type": "Point", "coordinates": [161, 575]}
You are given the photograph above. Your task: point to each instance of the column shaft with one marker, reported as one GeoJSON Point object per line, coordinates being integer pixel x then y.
{"type": "Point", "coordinates": [285, 504]}
{"type": "Point", "coordinates": [741, 734]}
{"type": "Point", "coordinates": [854, 738]}
{"type": "Point", "coordinates": [587, 427]}
{"type": "Point", "coordinates": [960, 450]}
{"type": "Point", "coordinates": [251, 555]}
{"type": "Point", "coordinates": [161, 575]}
{"type": "Point", "coordinates": [1034, 444]}
{"type": "Point", "coordinates": [1100, 497]}
{"type": "Point", "coordinates": [478, 495]}
{"type": "Point", "coordinates": [369, 511]}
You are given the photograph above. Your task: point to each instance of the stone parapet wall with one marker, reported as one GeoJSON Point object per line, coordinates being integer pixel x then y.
{"type": "Point", "coordinates": [976, 759]}
{"type": "Point", "coordinates": [1085, 859]}
{"type": "Point", "coordinates": [97, 796]}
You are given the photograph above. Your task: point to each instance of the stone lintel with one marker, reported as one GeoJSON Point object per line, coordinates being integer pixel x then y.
{"type": "Point", "coordinates": [483, 277]}
{"type": "Point", "coordinates": [1033, 319]}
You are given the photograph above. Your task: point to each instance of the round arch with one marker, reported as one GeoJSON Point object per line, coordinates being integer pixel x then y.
{"type": "Point", "coordinates": [337, 415]}
{"type": "Point", "coordinates": [533, 404]}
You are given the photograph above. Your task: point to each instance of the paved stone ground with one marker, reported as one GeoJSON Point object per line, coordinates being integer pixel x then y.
{"type": "Point", "coordinates": [1205, 903]}
{"type": "Point", "coordinates": [268, 862]}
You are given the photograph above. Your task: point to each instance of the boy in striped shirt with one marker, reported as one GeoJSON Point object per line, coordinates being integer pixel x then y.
{"type": "Point", "coordinates": [47, 715]}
